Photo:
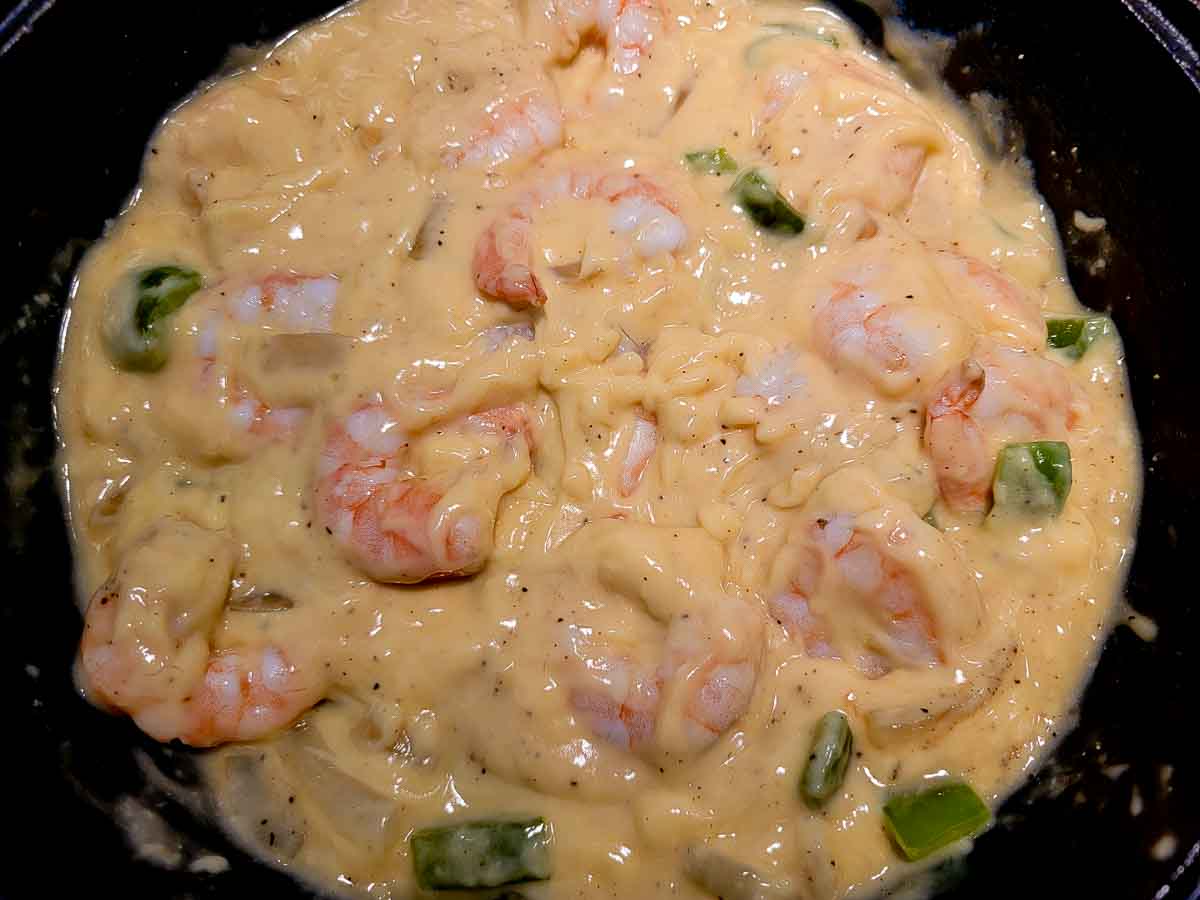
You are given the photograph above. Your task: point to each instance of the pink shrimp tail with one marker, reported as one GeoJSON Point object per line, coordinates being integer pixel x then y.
{"type": "Point", "coordinates": [642, 445]}
{"type": "Point", "coordinates": [910, 624]}
{"type": "Point", "coordinates": [511, 421]}
{"type": "Point", "coordinates": [956, 442]}
{"type": "Point", "coordinates": [502, 263]}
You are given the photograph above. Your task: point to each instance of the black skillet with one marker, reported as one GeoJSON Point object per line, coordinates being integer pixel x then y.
{"type": "Point", "coordinates": [1106, 95]}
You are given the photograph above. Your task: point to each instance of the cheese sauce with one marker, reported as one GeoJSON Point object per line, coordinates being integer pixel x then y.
{"type": "Point", "coordinates": [556, 410]}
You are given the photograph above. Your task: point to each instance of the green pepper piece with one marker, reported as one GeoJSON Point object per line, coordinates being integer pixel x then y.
{"type": "Point", "coordinates": [481, 854]}
{"type": "Point", "coordinates": [1033, 478]}
{"type": "Point", "coordinates": [763, 203]}
{"type": "Point", "coordinates": [827, 761]}
{"type": "Point", "coordinates": [926, 821]}
{"type": "Point", "coordinates": [1076, 334]}
{"type": "Point", "coordinates": [138, 307]}
{"type": "Point", "coordinates": [714, 161]}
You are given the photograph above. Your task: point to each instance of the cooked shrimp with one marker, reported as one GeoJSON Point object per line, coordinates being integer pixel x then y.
{"type": "Point", "coordinates": [147, 647]}
{"type": "Point", "coordinates": [503, 263]}
{"type": "Point", "coordinates": [624, 711]}
{"type": "Point", "coordinates": [1007, 311]}
{"type": "Point", "coordinates": [903, 166]}
{"type": "Point", "coordinates": [498, 335]}
{"type": "Point", "coordinates": [895, 344]}
{"type": "Point", "coordinates": [780, 378]}
{"type": "Point", "coordinates": [710, 678]}
{"type": "Point", "coordinates": [859, 565]}
{"type": "Point", "coordinates": [701, 686]}
{"type": "Point", "coordinates": [643, 441]}
{"type": "Point", "coordinates": [792, 609]}
{"type": "Point", "coordinates": [295, 304]}
{"type": "Point", "coordinates": [398, 526]}
{"type": "Point", "coordinates": [626, 28]}
{"type": "Point", "coordinates": [885, 181]}
{"type": "Point", "coordinates": [872, 583]}
{"type": "Point", "coordinates": [513, 127]}
{"type": "Point", "coordinates": [996, 396]}
{"type": "Point", "coordinates": [682, 671]}
{"type": "Point", "coordinates": [782, 87]}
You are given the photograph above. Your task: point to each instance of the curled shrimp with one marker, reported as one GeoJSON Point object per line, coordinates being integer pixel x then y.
{"type": "Point", "coordinates": [687, 683]}
{"type": "Point", "coordinates": [512, 127]}
{"type": "Point", "coordinates": [232, 417]}
{"type": "Point", "coordinates": [147, 647]}
{"type": "Point", "coordinates": [895, 343]}
{"type": "Point", "coordinates": [700, 686]}
{"type": "Point", "coordinates": [626, 28]}
{"type": "Point", "coordinates": [999, 394]}
{"type": "Point", "coordinates": [1005, 309]}
{"type": "Point", "coordinates": [874, 129]}
{"type": "Point", "coordinates": [863, 578]}
{"type": "Point", "coordinates": [396, 525]}
{"type": "Point", "coordinates": [294, 304]}
{"type": "Point", "coordinates": [503, 262]}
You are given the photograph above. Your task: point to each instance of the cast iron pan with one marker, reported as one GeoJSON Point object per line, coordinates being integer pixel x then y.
{"type": "Point", "coordinates": [1105, 94]}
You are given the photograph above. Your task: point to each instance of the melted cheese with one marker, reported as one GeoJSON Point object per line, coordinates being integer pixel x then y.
{"type": "Point", "coordinates": [707, 404]}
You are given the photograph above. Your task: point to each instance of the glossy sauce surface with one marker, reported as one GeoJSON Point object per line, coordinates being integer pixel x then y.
{"type": "Point", "coordinates": [695, 481]}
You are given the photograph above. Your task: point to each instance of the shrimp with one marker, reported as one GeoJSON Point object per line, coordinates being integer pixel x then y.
{"type": "Point", "coordinates": [643, 441]}
{"type": "Point", "coordinates": [677, 678]}
{"type": "Point", "coordinates": [624, 712]}
{"type": "Point", "coordinates": [999, 394]}
{"type": "Point", "coordinates": [782, 87]}
{"type": "Point", "coordinates": [793, 611]}
{"type": "Point", "coordinates": [147, 647]}
{"type": "Point", "coordinates": [780, 378]}
{"type": "Point", "coordinates": [497, 336]}
{"type": "Point", "coordinates": [521, 126]}
{"type": "Point", "coordinates": [398, 526]}
{"type": "Point", "coordinates": [1005, 308]}
{"type": "Point", "coordinates": [293, 304]}
{"type": "Point", "coordinates": [902, 167]}
{"type": "Point", "coordinates": [701, 686]}
{"type": "Point", "coordinates": [895, 344]}
{"type": "Point", "coordinates": [626, 28]}
{"type": "Point", "coordinates": [865, 578]}
{"type": "Point", "coordinates": [887, 163]}
{"type": "Point", "coordinates": [503, 262]}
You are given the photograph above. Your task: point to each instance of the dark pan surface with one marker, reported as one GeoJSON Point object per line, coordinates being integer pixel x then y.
{"type": "Point", "coordinates": [1107, 117]}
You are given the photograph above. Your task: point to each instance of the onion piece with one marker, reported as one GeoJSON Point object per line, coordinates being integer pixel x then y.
{"type": "Point", "coordinates": [887, 725]}
{"type": "Point", "coordinates": [359, 813]}
{"type": "Point", "coordinates": [435, 220]}
{"type": "Point", "coordinates": [259, 810]}
{"type": "Point", "coordinates": [260, 602]}
{"type": "Point", "coordinates": [727, 878]}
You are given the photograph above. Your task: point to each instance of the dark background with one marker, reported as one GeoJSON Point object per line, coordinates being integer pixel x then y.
{"type": "Point", "coordinates": [82, 85]}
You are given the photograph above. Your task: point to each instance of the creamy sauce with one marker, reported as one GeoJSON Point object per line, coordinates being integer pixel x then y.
{"type": "Point", "coordinates": [680, 469]}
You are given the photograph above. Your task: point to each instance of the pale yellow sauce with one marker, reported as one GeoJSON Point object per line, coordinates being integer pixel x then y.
{"type": "Point", "coordinates": [451, 700]}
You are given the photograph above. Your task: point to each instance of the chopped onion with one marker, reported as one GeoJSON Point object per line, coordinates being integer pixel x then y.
{"type": "Point", "coordinates": [892, 724]}
{"type": "Point", "coordinates": [258, 809]}
{"type": "Point", "coordinates": [360, 814]}
{"type": "Point", "coordinates": [727, 878]}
